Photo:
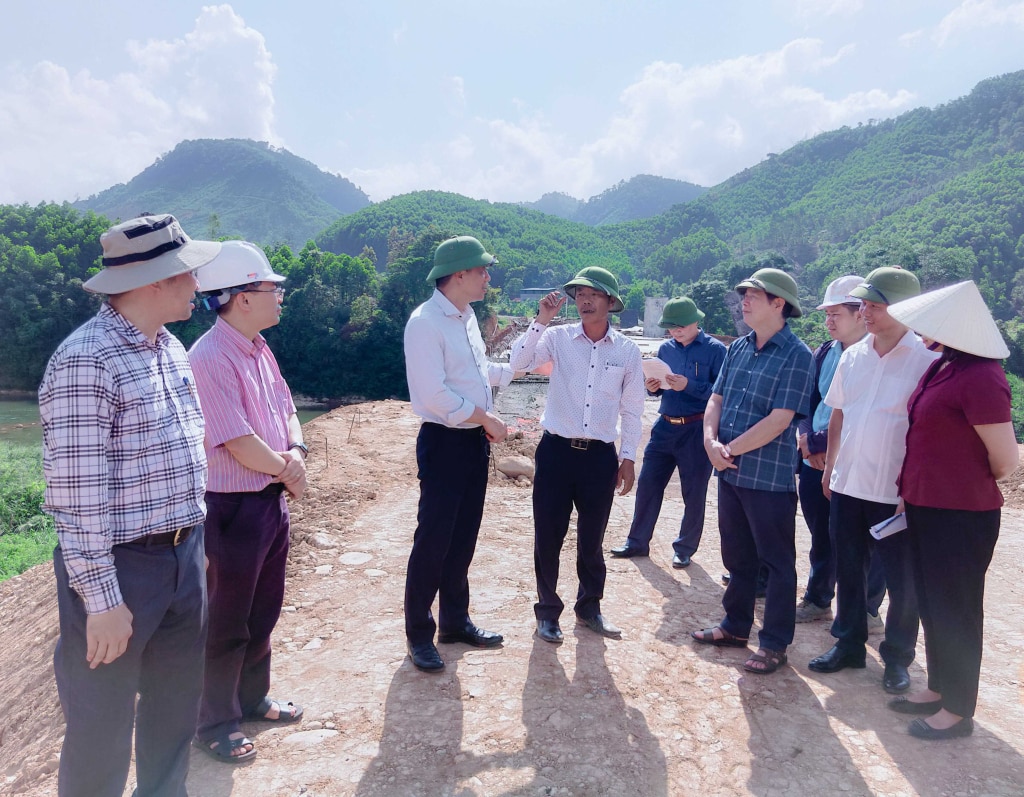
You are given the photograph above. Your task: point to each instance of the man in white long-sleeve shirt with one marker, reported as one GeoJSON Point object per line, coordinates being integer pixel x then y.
{"type": "Point", "coordinates": [596, 381]}
{"type": "Point", "coordinates": [450, 383]}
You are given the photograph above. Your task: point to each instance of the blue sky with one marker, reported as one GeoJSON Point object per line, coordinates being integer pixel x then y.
{"type": "Point", "coordinates": [502, 100]}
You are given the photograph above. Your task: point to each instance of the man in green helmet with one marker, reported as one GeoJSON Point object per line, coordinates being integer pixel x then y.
{"type": "Point", "coordinates": [450, 383]}
{"type": "Point", "coordinates": [677, 439]}
{"type": "Point", "coordinates": [750, 437]}
{"type": "Point", "coordinates": [596, 381]}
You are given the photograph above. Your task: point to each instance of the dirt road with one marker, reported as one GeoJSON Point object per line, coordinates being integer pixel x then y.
{"type": "Point", "coordinates": [649, 715]}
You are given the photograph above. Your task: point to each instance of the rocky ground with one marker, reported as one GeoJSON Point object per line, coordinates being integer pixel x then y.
{"type": "Point", "coordinates": [649, 715]}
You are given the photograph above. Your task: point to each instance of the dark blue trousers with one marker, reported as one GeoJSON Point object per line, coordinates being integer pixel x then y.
{"type": "Point", "coordinates": [164, 587]}
{"type": "Point", "coordinates": [672, 447]}
{"type": "Point", "coordinates": [453, 485]}
{"type": "Point", "coordinates": [570, 477]}
{"type": "Point", "coordinates": [247, 537]}
{"type": "Point", "coordinates": [821, 583]}
{"type": "Point", "coordinates": [851, 519]}
{"type": "Point", "coordinates": [951, 551]}
{"type": "Point", "coordinates": [758, 530]}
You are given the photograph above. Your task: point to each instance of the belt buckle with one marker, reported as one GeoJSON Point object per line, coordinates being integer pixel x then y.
{"type": "Point", "coordinates": [675, 421]}
{"type": "Point", "coordinates": [177, 536]}
{"type": "Point", "coordinates": [579, 443]}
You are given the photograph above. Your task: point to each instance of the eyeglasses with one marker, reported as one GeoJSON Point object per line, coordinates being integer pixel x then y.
{"type": "Point", "coordinates": [278, 289]}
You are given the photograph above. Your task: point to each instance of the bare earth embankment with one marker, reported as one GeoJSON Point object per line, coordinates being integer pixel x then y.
{"type": "Point", "coordinates": [649, 715]}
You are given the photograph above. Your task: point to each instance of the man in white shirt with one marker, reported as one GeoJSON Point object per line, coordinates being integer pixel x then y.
{"type": "Point", "coordinates": [866, 445]}
{"type": "Point", "coordinates": [450, 383]}
{"type": "Point", "coordinates": [596, 381]}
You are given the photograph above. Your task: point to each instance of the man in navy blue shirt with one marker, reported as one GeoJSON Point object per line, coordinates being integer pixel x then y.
{"type": "Point", "coordinates": [750, 437]}
{"type": "Point", "coordinates": [677, 439]}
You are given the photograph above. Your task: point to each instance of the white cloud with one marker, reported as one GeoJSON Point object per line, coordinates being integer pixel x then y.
{"type": "Point", "coordinates": [701, 124]}
{"type": "Point", "coordinates": [73, 134]}
{"type": "Point", "coordinates": [974, 14]}
{"type": "Point", "coordinates": [815, 9]}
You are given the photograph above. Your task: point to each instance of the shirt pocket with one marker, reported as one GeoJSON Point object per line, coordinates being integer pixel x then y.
{"type": "Point", "coordinates": [612, 378]}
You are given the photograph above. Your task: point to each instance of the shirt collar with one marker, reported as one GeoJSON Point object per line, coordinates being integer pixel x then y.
{"type": "Point", "coordinates": [576, 331]}
{"type": "Point", "coordinates": [780, 338]}
{"type": "Point", "coordinates": [446, 305]}
{"type": "Point", "coordinates": [131, 333]}
{"type": "Point", "coordinates": [235, 339]}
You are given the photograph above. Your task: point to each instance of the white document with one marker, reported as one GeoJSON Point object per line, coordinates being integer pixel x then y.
{"type": "Point", "coordinates": [890, 526]}
{"type": "Point", "coordinates": [656, 368]}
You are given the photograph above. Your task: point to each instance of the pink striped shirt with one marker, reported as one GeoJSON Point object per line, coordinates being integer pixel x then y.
{"type": "Point", "coordinates": [242, 392]}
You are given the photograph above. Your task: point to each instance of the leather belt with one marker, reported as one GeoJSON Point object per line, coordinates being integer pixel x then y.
{"type": "Point", "coordinates": [579, 443]}
{"type": "Point", "coordinates": [686, 419]}
{"type": "Point", "coordinates": [172, 538]}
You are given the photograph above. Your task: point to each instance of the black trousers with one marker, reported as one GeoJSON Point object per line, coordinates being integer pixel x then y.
{"type": "Point", "coordinates": [568, 477]}
{"type": "Point", "coordinates": [951, 551]}
{"type": "Point", "coordinates": [453, 484]}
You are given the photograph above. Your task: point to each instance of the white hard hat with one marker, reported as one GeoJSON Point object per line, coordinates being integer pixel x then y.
{"type": "Point", "coordinates": [238, 263]}
{"type": "Point", "coordinates": [837, 292]}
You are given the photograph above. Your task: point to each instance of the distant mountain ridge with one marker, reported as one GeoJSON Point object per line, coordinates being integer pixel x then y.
{"type": "Point", "coordinates": [235, 187]}
{"type": "Point", "coordinates": [640, 197]}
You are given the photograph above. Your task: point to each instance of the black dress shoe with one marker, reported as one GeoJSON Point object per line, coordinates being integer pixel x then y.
{"type": "Point", "coordinates": [679, 562]}
{"type": "Point", "coordinates": [836, 660]}
{"type": "Point", "coordinates": [425, 657]}
{"type": "Point", "coordinates": [549, 631]}
{"type": "Point", "coordinates": [922, 730]}
{"type": "Point", "coordinates": [903, 705]}
{"type": "Point", "coordinates": [895, 679]}
{"type": "Point", "coordinates": [471, 635]}
{"type": "Point", "coordinates": [626, 552]}
{"type": "Point", "coordinates": [599, 625]}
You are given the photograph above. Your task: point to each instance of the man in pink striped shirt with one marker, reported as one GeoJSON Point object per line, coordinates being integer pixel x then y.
{"type": "Point", "coordinates": [255, 452]}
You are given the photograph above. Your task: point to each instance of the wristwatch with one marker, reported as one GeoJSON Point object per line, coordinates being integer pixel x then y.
{"type": "Point", "coordinates": [302, 447]}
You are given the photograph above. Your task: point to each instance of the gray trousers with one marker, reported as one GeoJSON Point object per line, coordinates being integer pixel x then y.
{"type": "Point", "coordinates": [164, 587]}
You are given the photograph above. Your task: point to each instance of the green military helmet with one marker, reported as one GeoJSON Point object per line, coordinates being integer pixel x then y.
{"type": "Point", "coordinates": [600, 279]}
{"type": "Point", "coordinates": [776, 282]}
{"type": "Point", "coordinates": [888, 285]}
{"type": "Point", "coordinates": [680, 312]}
{"type": "Point", "coordinates": [459, 254]}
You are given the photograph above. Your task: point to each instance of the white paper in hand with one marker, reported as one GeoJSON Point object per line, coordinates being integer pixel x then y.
{"type": "Point", "coordinates": [655, 368]}
{"type": "Point", "coordinates": [889, 526]}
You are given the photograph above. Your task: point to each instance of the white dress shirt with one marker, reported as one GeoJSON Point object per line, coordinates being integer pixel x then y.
{"type": "Point", "coordinates": [593, 385]}
{"type": "Point", "coordinates": [872, 393]}
{"type": "Point", "coordinates": [446, 364]}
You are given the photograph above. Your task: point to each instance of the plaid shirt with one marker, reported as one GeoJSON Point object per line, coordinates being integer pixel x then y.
{"type": "Point", "coordinates": [752, 384]}
{"type": "Point", "coordinates": [122, 447]}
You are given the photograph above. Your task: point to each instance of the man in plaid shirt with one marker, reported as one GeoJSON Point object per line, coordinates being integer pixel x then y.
{"type": "Point", "coordinates": [764, 388]}
{"type": "Point", "coordinates": [125, 477]}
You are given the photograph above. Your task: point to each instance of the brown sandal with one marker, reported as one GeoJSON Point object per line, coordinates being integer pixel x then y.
{"type": "Point", "coordinates": [766, 663]}
{"type": "Point", "coordinates": [726, 640]}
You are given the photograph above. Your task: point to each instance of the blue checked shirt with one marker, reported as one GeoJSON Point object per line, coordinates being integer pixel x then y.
{"type": "Point", "coordinates": [122, 447]}
{"type": "Point", "coordinates": [752, 384]}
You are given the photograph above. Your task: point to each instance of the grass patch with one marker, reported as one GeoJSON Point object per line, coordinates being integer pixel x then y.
{"type": "Point", "coordinates": [27, 537]}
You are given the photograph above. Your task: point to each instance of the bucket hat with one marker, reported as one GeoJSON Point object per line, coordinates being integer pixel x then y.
{"type": "Point", "coordinates": [600, 279]}
{"type": "Point", "coordinates": [147, 249]}
{"type": "Point", "coordinates": [680, 312]}
{"type": "Point", "coordinates": [888, 285]}
{"type": "Point", "coordinates": [955, 316]}
{"type": "Point", "coordinates": [460, 253]}
{"type": "Point", "coordinates": [776, 282]}
{"type": "Point", "coordinates": [838, 292]}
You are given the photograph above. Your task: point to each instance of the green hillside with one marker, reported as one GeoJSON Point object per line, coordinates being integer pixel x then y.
{"type": "Point", "coordinates": [639, 197]}
{"type": "Point", "coordinates": [235, 188]}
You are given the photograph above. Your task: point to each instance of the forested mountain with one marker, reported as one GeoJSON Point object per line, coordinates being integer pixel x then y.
{"type": "Point", "coordinates": [640, 197]}
{"type": "Point", "coordinates": [235, 188]}
{"type": "Point", "coordinates": [939, 191]}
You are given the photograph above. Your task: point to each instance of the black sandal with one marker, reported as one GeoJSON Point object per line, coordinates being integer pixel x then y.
{"type": "Point", "coordinates": [765, 663]}
{"type": "Point", "coordinates": [726, 640]}
{"type": "Point", "coordinates": [222, 748]}
{"type": "Point", "coordinates": [286, 712]}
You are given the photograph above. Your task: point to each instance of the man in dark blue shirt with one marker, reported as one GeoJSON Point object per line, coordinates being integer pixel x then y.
{"type": "Point", "coordinates": [750, 437]}
{"type": "Point", "coordinates": [677, 439]}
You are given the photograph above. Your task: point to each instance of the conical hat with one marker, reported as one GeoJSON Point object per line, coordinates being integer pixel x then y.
{"type": "Point", "coordinates": [955, 316]}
